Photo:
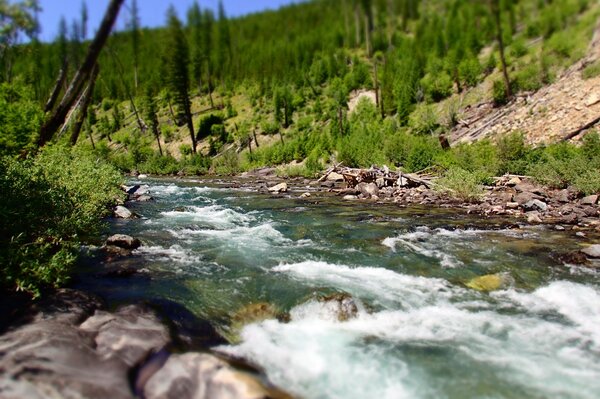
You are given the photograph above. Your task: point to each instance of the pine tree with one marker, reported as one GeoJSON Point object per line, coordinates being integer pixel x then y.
{"type": "Point", "coordinates": [149, 110]}
{"type": "Point", "coordinates": [194, 22]}
{"type": "Point", "coordinates": [134, 27]}
{"type": "Point", "coordinates": [177, 58]}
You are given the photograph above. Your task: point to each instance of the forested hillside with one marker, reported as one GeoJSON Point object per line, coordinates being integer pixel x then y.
{"type": "Point", "coordinates": [211, 93]}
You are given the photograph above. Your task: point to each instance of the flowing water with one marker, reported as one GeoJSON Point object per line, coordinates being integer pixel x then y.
{"type": "Point", "coordinates": [419, 331]}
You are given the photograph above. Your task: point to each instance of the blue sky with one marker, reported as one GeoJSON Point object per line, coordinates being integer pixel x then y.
{"type": "Point", "coordinates": [152, 12]}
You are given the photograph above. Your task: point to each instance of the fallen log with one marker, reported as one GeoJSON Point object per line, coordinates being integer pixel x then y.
{"type": "Point", "coordinates": [578, 131]}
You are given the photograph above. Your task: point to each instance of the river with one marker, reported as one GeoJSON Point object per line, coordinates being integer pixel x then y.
{"type": "Point", "coordinates": [418, 331]}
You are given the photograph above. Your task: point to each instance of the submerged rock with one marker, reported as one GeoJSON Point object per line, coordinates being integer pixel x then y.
{"type": "Point", "coordinates": [123, 241]}
{"type": "Point", "coordinates": [252, 313]}
{"type": "Point", "coordinates": [344, 305]}
{"type": "Point", "coordinates": [490, 282]}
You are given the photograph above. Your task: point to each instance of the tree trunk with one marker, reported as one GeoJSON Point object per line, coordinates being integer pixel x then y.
{"type": "Point", "coordinates": [377, 100]}
{"type": "Point", "coordinates": [495, 6]}
{"type": "Point", "coordinates": [190, 124]}
{"type": "Point", "coordinates": [121, 72]}
{"type": "Point", "coordinates": [57, 118]}
{"type": "Point", "coordinates": [255, 140]}
{"type": "Point", "coordinates": [60, 81]}
{"type": "Point", "coordinates": [83, 107]}
{"type": "Point", "coordinates": [156, 133]}
{"type": "Point", "coordinates": [357, 25]}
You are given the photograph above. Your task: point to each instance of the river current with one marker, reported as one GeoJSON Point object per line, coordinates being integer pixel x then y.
{"type": "Point", "coordinates": [418, 332]}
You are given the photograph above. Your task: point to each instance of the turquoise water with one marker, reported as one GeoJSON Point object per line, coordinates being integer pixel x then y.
{"type": "Point", "coordinates": [419, 331]}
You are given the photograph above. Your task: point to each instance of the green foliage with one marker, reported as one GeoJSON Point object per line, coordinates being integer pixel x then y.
{"type": "Point", "coordinates": [20, 118]}
{"type": "Point", "coordinates": [499, 93]}
{"type": "Point", "coordinates": [592, 70]}
{"type": "Point", "coordinates": [437, 86]}
{"type": "Point", "coordinates": [460, 184]}
{"type": "Point", "coordinates": [424, 119]}
{"type": "Point", "coordinates": [227, 163]}
{"type": "Point", "coordinates": [48, 205]}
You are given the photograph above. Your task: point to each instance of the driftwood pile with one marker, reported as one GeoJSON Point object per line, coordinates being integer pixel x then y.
{"type": "Point", "coordinates": [383, 177]}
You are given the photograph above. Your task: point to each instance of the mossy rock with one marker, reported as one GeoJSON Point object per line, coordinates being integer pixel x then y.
{"type": "Point", "coordinates": [252, 313]}
{"type": "Point", "coordinates": [490, 282]}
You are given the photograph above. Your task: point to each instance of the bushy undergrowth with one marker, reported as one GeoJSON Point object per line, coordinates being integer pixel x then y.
{"type": "Point", "coordinates": [48, 205]}
{"type": "Point", "coordinates": [461, 184]}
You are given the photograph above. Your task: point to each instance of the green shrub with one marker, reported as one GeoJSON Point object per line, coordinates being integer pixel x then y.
{"type": "Point", "coordinates": [469, 71]}
{"type": "Point", "coordinates": [499, 93]}
{"type": "Point", "coordinates": [530, 78]}
{"type": "Point", "coordinates": [227, 163]}
{"type": "Point", "coordinates": [460, 184]}
{"type": "Point", "coordinates": [424, 119]}
{"type": "Point", "coordinates": [437, 86]}
{"type": "Point", "coordinates": [159, 165]}
{"type": "Point", "coordinates": [591, 71]}
{"type": "Point", "coordinates": [20, 118]}
{"type": "Point", "coordinates": [48, 205]}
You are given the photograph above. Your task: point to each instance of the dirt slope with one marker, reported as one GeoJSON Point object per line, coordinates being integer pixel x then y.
{"type": "Point", "coordinates": [545, 116]}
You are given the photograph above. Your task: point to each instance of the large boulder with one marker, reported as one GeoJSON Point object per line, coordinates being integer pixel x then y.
{"type": "Point", "coordinates": [204, 376]}
{"type": "Point", "coordinates": [123, 241]}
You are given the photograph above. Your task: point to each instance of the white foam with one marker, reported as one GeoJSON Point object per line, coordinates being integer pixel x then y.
{"type": "Point", "coordinates": [315, 355]}
{"type": "Point", "coordinates": [174, 253]}
{"type": "Point", "coordinates": [382, 285]}
{"type": "Point", "coordinates": [215, 215]}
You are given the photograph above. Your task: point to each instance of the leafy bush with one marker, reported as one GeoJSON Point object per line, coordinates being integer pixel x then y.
{"type": "Point", "coordinates": [424, 119]}
{"type": "Point", "coordinates": [159, 165]}
{"type": "Point", "coordinates": [460, 184]}
{"type": "Point", "coordinates": [591, 71]}
{"type": "Point", "coordinates": [20, 117]}
{"type": "Point", "coordinates": [437, 86]}
{"type": "Point", "coordinates": [226, 164]}
{"type": "Point", "coordinates": [499, 93]}
{"type": "Point", "coordinates": [48, 205]}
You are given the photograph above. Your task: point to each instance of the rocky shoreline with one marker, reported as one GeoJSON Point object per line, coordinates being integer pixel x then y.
{"type": "Point", "coordinates": [69, 346]}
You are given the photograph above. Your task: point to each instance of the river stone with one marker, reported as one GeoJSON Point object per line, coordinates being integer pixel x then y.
{"type": "Point", "coordinates": [123, 213]}
{"type": "Point", "coordinates": [123, 241]}
{"type": "Point", "coordinates": [279, 188]}
{"type": "Point", "coordinates": [593, 251]}
{"type": "Point", "coordinates": [333, 176]}
{"type": "Point", "coordinates": [563, 196]}
{"type": "Point", "coordinates": [513, 182]}
{"type": "Point", "coordinates": [533, 217]}
{"type": "Point", "coordinates": [50, 357]}
{"type": "Point", "coordinates": [535, 205]}
{"type": "Point", "coordinates": [523, 198]}
{"type": "Point", "coordinates": [589, 200]}
{"type": "Point", "coordinates": [305, 195]}
{"type": "Point", "coordinates": [345, 306]}
{"type": "Point", "coordinates": [144, 198]}
{"type": "Point", "coordinates": [203, 376]}
{"type": "Point", "coordinates": [350, 197]}
{"type": "Point", "coordinates": [129, 334]}
{"type": "Point", "coordinates": [368, 189]}
{"type": "Point", "coordinates": [490, 282]}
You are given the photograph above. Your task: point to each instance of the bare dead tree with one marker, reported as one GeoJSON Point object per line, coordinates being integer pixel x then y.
{"type": "Point", "coordinates": [60, 81]}
{"type": "Point", "coordinates": [84, 105]}
{"type": "Point", "coordinates": [57, 117]}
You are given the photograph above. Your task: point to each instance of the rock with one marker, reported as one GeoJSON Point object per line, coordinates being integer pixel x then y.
{"type": "Point", "coordinates": [523, 198]}
{"type": "Point", "coordinates": [344, 306]}
{"type": "Point", "coordinates": [592, 100]}
{"type": "Point", "coordinates": [142, 176]}
{"type": "Point", "coordinates": [50, 357]}
{"type": "Point", "coordinates": [563, 196]}
{"type": "Point", "coordinates": [144, 198]}
{"type": "Point", "coordinates": [305, 195]}
{"type": "Point", "coordinates": [589, 200]}
{"type": "Point", "coordinates": [533, 217]}
{"type": "Point", "coordinates": [123, 241]}
{"type": "Point", "coordinates": [251, 313]}
{"type": "Point", "coordinates": [380, 182]}
{"type": "Point", "coordinates": [593, 251]}
{"type": "Point", "coordinates": [535, 205]}
{"type": "Point", "coordinates": [113, 252]}
{"type": "Point", "coordinates": [490, 282]}
{"type": "Point", "coordinates": [559, 228]}
{"type": "Point", "coordinates": [580, 234]}
{"type": "Point", "coordinates": [279, 188]}
{"type": "Point", "coordinates": [204, 376]}
{"type": "Point", "coordinates": [123, 213]}
{"type": "Point", "coordinates": [350, 197]}
{"type": "Point", "coordinates": [573, 258]}
{"type": "Point", "coordinates": [368, 189]}
{"type": "Point", "coordinates": [129, 334]}
{"type": "Point", "coordinates": [512, 205]}
{"type": "Point", "coordinates": [402, 182]}
{"type": "Point", "coordinates": [333, 176]}
{"type": "Point", "coordinates": [513, 182]}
